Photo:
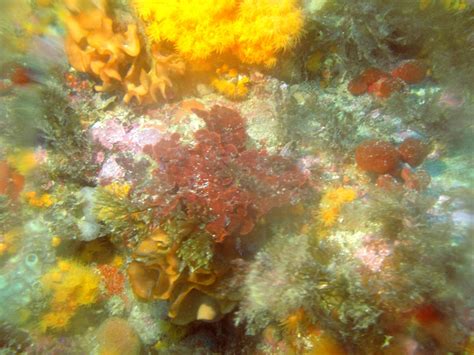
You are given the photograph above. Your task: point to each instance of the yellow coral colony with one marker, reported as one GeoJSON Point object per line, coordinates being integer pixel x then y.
{"type": "Point", "coordinates": [23, 160]}
{"type": "Point", "coordinates": [332, 202]}
{"type": "Point", "coordinates": [71, 285]}
{"type": "Point", "coordinates": [450, 5]}
{"type": "Point", "coordinates": [44, 200]}
{"type": "Point", "coordinates": [252, 31]}
{"type": "Point", "coordinates": [230, 83]}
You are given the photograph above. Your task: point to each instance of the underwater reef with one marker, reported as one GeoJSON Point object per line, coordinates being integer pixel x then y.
{"type": "Point", "coordinates": [237, 177]}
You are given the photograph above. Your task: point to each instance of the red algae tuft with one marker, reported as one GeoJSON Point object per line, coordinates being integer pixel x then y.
{"type": "Point", "coordinates": [377, 156]}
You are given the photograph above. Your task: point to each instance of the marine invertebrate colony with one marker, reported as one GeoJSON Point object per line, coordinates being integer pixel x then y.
{"type": "Point", "coordinates": [253, 31]}
{"type": "Point", "coordinates": [118, 59]}
{"type": "Point", "coordinates": [332, 202]}
{"type": "Point", "coordinates": [193, 293]}
{"type": "Point", "coordinates": [72, 285]}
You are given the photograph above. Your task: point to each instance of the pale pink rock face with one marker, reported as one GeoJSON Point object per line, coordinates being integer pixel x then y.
{"type": "Point", "coordinates": [111, 134]}
{"type": "Point", "coordinates": [451, 99]}
{"type": "Point", "coordinates": [108, 133]}
{"type": "Point", "coordinates": [111, 171]}
{"type": "Point", "coordinates": [116, 137]}
{"type": "Point", "coordinates": [41, 155]}
{"type": "Point", "coordinates": [138, 137]}
{"type": "Point", "coordinates": [307, 162]}
{"type": "Point", "coordinates": [373, 253]}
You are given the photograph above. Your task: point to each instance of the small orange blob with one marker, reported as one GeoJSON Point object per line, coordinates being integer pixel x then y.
{"type": "Point", "coordinates": [357, 87]}
{"type": "Point", "coordinates": [411, 71]}
{"type": "Point", "coordinates": [4, 177]}
{"type": "Point", "coordinates": [20, 76]}
{"type": "Point", "coordinates": [55, 241]}
{"type": "Point", "coordinates": [387, 182]}
{"type": "Point", "coordinates": [413, 151]}
{"type": "Point", "coordinates": [377, 156]}
{"type": "Point", "coordinates": [427, 314]}
{"type": "Point", "coordinates": [3, 248]}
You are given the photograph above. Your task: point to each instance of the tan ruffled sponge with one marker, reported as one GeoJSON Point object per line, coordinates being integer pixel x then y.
{"type": "Point", "coordinates": [156, 274]}
{"type": "Point", "coordinates": [95, 44]}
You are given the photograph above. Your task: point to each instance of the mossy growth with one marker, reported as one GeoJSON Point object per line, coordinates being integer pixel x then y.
{"type": "Point", "coordinates": [380, 33]}
{"type": "Point", "coordinates": [121, 217]}
{"type": "Point", "coordinates": [197, 251]}
{"type": "Point", "coordinates": [195, 245]}
{"type": "Point", "coordinates": [8, 216]}
{"type": "Point", "coordinates": [296, 272]}
{"type": "Point", "coordinates": [429, 255]}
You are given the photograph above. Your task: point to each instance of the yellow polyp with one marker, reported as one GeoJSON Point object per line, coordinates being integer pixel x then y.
{"type": "Point", "coordinates": [71, 286]}
{"type": "Point", "coordinates": [230, 83]}
{"type": "Point", "coordinates": [55, 320]}
{"type": "Point", "coordinates": [45, 200]}
{"type": "Point", "coordinates": [118, 189]}
{"type": "Point", "coordinates": [329, 216]}
{"type": "Point", "coordinates": [3, 248]}
{"type": "Point", "coordinates": [64, 265]}
{"type": "Point", "coordinates": [313, 64]}
{"type": "Point", "coordinates": [43, 3]}
{"type": "Point", "coordinates": [323, 343]}
{"type": "Point", "coordinates": [454, 4]}
{"type": "Point", "coordinates": [9, 242]}
{"type": "Point", "coordinates": [55, 241]}
{"type": "Point", "coordinates": [117, 261]}
{"type": "Point", "coordinates": [294, 322]}
{"type": "Point", "coordinates": [253, 31]}
{"type": "Point", "coordinates": [448, 5]}
{"type": "Point", "coordinates": [230, 89]}
{"type": "Point", "coordinates": [232, 73]}
{"type": "Point", "coordinates": [424, 4]}
{"type": "Point", "coordinates": [332, 202]}
{"type": "Point", "coordinates": [23, 161]}
{"type": "Point", "coordinates": [24, 315]}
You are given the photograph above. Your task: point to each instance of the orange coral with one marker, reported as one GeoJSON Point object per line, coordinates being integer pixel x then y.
{"type": "Point", "coordinates": [332, 202]}
{"type": "Point", "coordinates": [230, 83]}
{"type": "Point", "coordinates": [10, 241]}
{"type": "Point", "coordinates": [304, 337]}
{"type": "Point", "coordinates": [44, 200]}
{"type": "Point", "coordinates": [253, 31]}
{"type": "Point", "coordinates": [294, 322]}
{"type": "Point", "coordinates": [117, 58]}
{"type": "Point", "coordinates": [156, 274]}
{"type": "Point", "coordinates": [72, 285]}
{"type": "Point", "coordinates": [11, 183]}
